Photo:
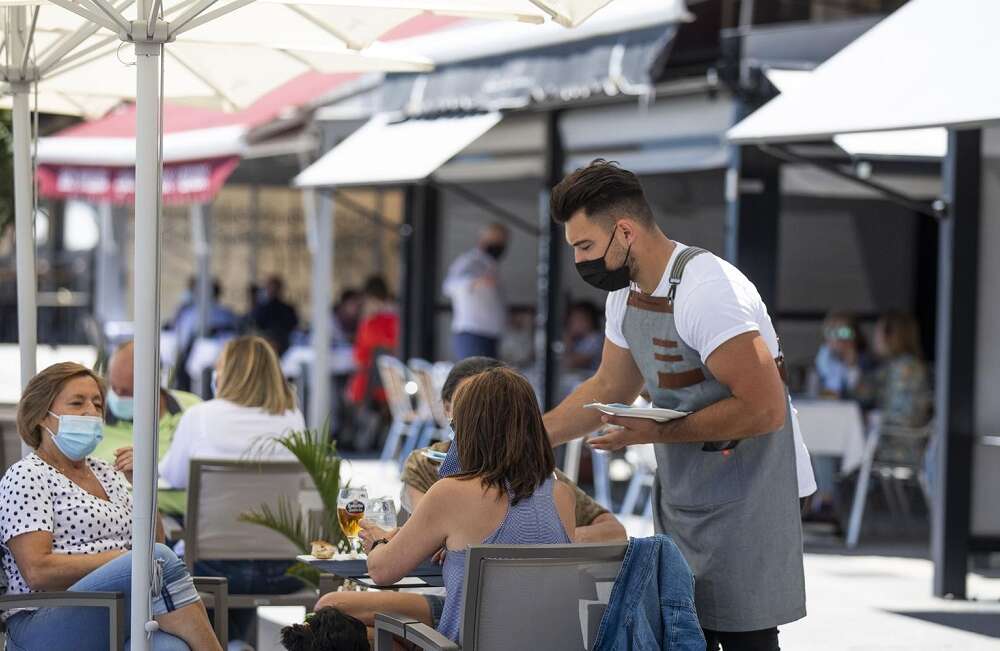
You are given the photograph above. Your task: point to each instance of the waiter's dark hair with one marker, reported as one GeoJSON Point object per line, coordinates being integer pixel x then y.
{"type": "Point", "coordinates": [603, 190]}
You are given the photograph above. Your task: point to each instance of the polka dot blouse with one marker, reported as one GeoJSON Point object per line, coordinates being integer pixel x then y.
{"type": "Point", "coordinates": [34, 496]}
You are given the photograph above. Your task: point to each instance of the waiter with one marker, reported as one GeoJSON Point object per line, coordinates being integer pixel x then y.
{"type": "Point", "coordinates": [691, 330]}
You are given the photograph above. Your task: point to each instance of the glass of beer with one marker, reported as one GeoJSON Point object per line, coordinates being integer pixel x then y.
{"type": "Point", "coordinates": [351, 505]}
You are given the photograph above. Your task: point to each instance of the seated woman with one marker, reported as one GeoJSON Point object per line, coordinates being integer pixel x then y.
{"type": "Point", "coordinates": [499, 434]}
{"type": "Point", "coordinates": [253, 403]}
{"type": "Point", "coordinates": [66, 524]}
{"type": "Point", "coordinates": [900, 389]}
{"type": "Point", "coordinates": [594, 523]}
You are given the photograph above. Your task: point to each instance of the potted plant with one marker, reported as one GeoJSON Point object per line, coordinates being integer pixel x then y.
{"type": "Point", "coordinates": [318, 455]}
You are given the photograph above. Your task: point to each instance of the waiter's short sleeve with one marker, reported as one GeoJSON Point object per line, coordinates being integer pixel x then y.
{"type": "Point", "coordinates": [614, 317]}
{"type": "Point", "coordinates": [714, 311]}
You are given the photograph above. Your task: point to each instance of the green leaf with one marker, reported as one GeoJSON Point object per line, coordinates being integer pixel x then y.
{"type": "Point", "coordinates": [316, 451]}
{"type": "Point", "coordinates": [286, 520]}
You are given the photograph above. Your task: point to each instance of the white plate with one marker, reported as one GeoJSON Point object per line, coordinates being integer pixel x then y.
{"type": "Point", "coordinates": [652, 413]}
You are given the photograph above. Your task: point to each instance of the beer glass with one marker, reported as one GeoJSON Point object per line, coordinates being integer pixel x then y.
{"type": "Point", "coordinates": [382, 513]}
{"type": "Point", "coordinates": [351, 505]}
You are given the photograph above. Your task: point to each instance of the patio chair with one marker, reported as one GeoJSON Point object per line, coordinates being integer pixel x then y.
{"type": "Point", "coordinates": [430, 409]}
{"type": "Point", "coordinates": [894, 456]}
{"type": "Point", "coordinates": [218, 492]}
{"type": "Point", "coordinates": [213, 591]}
{"type": "Point", "coordinates": [406, 424]}
{"type": "Point", "coordinates": [643, 460]}
{"type": "Point", "coordinates": [600, 462]}
{"type": "Point", "coordinates": [522, 596]}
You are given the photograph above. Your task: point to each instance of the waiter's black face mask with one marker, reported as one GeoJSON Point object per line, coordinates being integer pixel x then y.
{"type": "Point", "coordinates": [596, 272]}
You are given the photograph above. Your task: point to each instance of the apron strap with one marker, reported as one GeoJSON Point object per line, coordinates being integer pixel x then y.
{"type": "Point", "coordinates": [677, 271]}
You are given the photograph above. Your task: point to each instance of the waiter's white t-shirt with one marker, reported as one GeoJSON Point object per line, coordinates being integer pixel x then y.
{"type": "Point", "coordinates": [714, 303]}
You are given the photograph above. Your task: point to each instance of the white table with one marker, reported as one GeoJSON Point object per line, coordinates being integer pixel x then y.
{"type": "Point", "coordinates": [341, 360]}
{"type": "Point", "coordinates": [833, 428]}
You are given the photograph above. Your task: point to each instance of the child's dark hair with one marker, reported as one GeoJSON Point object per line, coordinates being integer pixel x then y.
{"type": "Point", "coordinates": [327, 629]}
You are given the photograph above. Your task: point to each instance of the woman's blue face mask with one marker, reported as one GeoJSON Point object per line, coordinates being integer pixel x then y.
{"type": "Point", "coordinates": [77, 436]}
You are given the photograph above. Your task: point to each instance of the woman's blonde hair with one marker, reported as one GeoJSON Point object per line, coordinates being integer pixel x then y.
{"type": "Point", "coordinates": [41, 392]}
{"type": "Point", "coordinates": [250, 375]}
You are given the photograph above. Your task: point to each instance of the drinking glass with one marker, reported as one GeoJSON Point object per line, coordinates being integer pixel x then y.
{"type": "Point", "coordinates": [351, 506]}
{"type": "Point", "coordinates": [382, 513]}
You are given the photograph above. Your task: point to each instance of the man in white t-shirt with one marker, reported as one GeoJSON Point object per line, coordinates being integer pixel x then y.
{"type": "Point", "coordinates": [478, 311]}
{"type": "Point", "coordinates": [692, 331]}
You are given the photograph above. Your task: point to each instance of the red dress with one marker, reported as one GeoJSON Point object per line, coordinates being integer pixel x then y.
{"type": "Point", "coordinates": [378, 332]}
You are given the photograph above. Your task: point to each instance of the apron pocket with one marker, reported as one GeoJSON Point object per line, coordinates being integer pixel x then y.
{"type": "Point", "coordinates": [691, 478]}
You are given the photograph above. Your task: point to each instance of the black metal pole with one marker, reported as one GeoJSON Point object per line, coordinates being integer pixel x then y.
{"type": "Point", "coordinates": [958, 294]}
{"type": "Point", "coordinates": [407, 299]}
{"type": "Point", "coordinates": [753, 194]}
{"type": "Point", "coordinates": [427, 276]}
{"type": "Point", "coordinates": [548, 324]}
{"type": "Point", "coordinates": [419, 280]}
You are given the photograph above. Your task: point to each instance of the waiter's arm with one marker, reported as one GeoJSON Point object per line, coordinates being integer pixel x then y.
{"type": "Point", "coordinates": [746, 366]}
{"type": "Point", "coordinates": [617, 380]}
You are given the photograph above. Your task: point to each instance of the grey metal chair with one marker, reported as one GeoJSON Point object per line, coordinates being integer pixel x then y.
{"type": "Point", "coordinates": [643, 460]}
{"type": "Point", "coordinates": [113, 602]}
{"type": "Point", "coordinates": [218, 492]}
{"type": "Point", "coordinates": [549, 597]}
{"type": "Point", "coordinates": [894, 456]}
{"type": "Point", "coordinates": [213, 591]}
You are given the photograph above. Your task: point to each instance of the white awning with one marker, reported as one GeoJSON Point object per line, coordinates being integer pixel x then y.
{"type": "Point", "coordinates": [929, 143]}
{"type": "Point", "coordinates": [385, 153]}
{"type": "Point", "coordinates": [197, 144]}
{"type": "Point", "coordinates": [930, 64]}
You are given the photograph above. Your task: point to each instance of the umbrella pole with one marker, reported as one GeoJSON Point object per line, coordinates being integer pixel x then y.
{"type": "Point", "coordinates": [147, 326]}
{"type": "Point", "coordinates": [322, 268]}
{"type": "Point", "coordinates": [24, 218]}
{"type": "Point", "coordinates": [27, 334]}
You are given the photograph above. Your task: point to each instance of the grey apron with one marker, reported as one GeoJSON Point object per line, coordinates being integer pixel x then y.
{"type": "Point", "coordinates": [734, 513]}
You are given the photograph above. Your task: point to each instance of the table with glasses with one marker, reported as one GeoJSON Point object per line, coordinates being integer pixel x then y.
{"type": "Point", "coordinates": [353, 506]}
{"type": "Point", "coordinates": [355, 568]}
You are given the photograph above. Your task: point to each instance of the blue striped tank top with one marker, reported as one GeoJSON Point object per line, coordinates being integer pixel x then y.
{"type": "Point", "coordinates": [532, 521]}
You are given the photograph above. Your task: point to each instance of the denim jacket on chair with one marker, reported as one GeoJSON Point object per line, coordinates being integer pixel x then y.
{"type": "Point", "coordinates": [652, 601]}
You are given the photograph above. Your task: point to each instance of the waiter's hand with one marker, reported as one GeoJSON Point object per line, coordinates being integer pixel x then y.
{"type": "Point", "coordinates": [624, 431]}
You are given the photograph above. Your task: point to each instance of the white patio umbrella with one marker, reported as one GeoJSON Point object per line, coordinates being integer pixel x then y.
{"type": "Point", "coordinates": [152, 25]}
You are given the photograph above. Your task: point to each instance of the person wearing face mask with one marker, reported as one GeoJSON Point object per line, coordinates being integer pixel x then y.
{"type": "Point", "coordinates": [691, 330]}
{"type": "Point", "coordinates": [478, 310]}
{"type": "Point", "coordinates": [118, 420]}
{"type": "Point", "coordinates": [66, 524]}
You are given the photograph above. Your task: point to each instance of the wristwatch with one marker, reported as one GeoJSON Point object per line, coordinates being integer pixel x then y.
{"type": "Point", "coordinates": [378, 542]}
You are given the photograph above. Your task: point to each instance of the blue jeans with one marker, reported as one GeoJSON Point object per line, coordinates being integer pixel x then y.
{"type": "Point", "coordinates": [86, 629]}
{"type": "Point", "coordinates": [467, 344]}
